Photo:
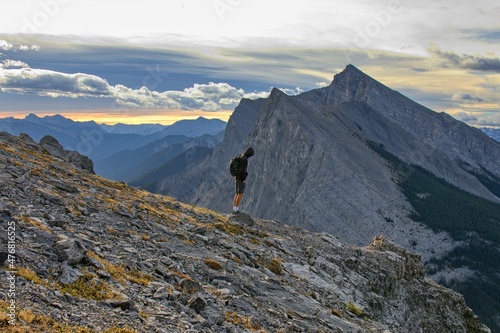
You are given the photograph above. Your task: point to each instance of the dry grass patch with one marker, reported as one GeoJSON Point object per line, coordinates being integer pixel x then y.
{"type": "Point", "coordinates": [246, 322]}
{"type": "Point", "coordinates": [36, 223]}
{"type": "Point", "coordinates": [213, 264]}
{"type": "Point", "coordinates": [86, 286]}
{"type": "Point", "coordinates": [28, 274]}
{"type": "Point", "coordinates": [229, 228]}
{"type": "Point", "coordinates": [34, 323]}
{"type": "Point", "coordinates": [89, 287]}
{"type": "Point", "coordinates": [182, 275]}
{"type": "Point", "coordinates": [275, 266]}
{"type": "Point", "coordinates": [337, 313]}
{"type": "Point", "coordinates": [120, 273]}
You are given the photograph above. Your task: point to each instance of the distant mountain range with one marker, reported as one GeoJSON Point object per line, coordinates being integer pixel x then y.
{"type": "Point", "coordinates": [357, 159]}
{"type": "Point", "coordinates": [141, 129]}
{"type": "Point", "coordinates": [131, 165]}
{"type": "Point", "coordinates": [121, 152]}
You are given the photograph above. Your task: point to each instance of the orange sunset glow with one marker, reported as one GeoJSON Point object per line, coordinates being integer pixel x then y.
{"type": "Point", "coordinates": [166, 117]}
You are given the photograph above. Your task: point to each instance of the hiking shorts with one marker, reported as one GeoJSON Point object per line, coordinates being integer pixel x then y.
{"type": "Point", "coordinates": [240, 186]}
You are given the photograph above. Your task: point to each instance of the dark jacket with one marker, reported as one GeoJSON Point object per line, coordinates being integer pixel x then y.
{"type": "Point", "coordinates": [244, 164]}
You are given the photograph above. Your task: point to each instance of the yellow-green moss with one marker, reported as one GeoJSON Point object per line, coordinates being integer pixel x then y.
{"type": "Point", "coordinates": [120, 273]}
{"type": "Point", "coordinates": [354, 309]}
{"type": "Point", "coordinates": [28, 274]}
{"type": "Point", "coordinates": [87, 286]}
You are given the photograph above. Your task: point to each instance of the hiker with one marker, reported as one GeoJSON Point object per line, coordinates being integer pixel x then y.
{"type": "Point", "coordinates": [238, 169]}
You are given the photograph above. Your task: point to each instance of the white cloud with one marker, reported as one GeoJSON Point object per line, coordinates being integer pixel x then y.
{"type": "Point", "coordinates": [322, 84]}
{"type": "Point", "coordinates": [10, 64]}
{"type": "Point", "coordinates": [294, 91]}
{"type": "Point", "coordinates": [206, 97]}
{"type": "Point", "coordinates": [16, 77]}
{"type": "Point", "coordinates": [49, 83]}
{"type": "Point", "coordinates": [256, 94]}
{"type": "Point", "coordinates": [7, 46]}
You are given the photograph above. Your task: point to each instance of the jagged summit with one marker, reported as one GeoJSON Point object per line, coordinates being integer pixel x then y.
{"type": "Point", "coordinates": [276, 92]}
{"type": "Point", "coordinates": [350, 70]}
{"type": "Point", "coordinates": [354, 85]}
{"type": "Point", "coordinates": [275, 97]}
{"type": "Point", "coordinates": [93, 255]}
{"type": "Point", "coordinates": [350, 73]}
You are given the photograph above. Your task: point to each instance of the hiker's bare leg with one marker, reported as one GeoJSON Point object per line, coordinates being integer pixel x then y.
{"type": "Point", "coordinates": [237, 199]}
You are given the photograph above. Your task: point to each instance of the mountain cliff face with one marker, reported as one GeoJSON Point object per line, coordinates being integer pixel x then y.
{"type": "Point", "coordinates": [94, 255]}
{"type": "Point", "coordinates": [313, 163]}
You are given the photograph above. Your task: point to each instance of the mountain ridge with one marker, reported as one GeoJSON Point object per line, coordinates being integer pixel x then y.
{"type": "Point", "coordinates": [406, 145]}
{"type": "Point", "coordinates": [438, 158]}
{"type": "Point", "coordinates": [412, 116]}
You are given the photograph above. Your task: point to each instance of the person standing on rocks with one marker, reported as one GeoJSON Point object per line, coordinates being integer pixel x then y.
{"type": "Point", "coordinates": [238, 168]}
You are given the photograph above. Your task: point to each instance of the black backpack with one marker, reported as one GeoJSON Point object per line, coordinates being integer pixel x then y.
{"type": "Point", "coordinates": [234, 165]}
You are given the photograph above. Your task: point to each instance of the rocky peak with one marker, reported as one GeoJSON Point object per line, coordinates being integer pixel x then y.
{"type": "Point", "coordinates": [275, 97]}
{"type": "Point", "coordinates": [351, 85]}
{"type": "Point", "coordinates": [438, 131]}
{"type": "Point", "coordinates": [276, 93]}
{"type": "Point", "coordinates": [350, 72]}
{"type": "Point", "coordinates": [32, 117]}
{"type": "Point", "coordinates": [94, 255]}
{"type": "Point", "coordinates": [242, 121]}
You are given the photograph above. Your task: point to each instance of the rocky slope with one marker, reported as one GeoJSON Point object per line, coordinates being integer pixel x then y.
{"type": "Point", "coordinates": [93, 255]}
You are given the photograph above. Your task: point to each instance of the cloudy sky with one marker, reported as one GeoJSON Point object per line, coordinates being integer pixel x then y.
{"type": "Point", "coordinates": [158, 61]}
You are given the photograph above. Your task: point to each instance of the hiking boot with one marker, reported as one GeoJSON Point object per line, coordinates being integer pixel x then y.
{"type": "Point", "coordinates": [235, 212]}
